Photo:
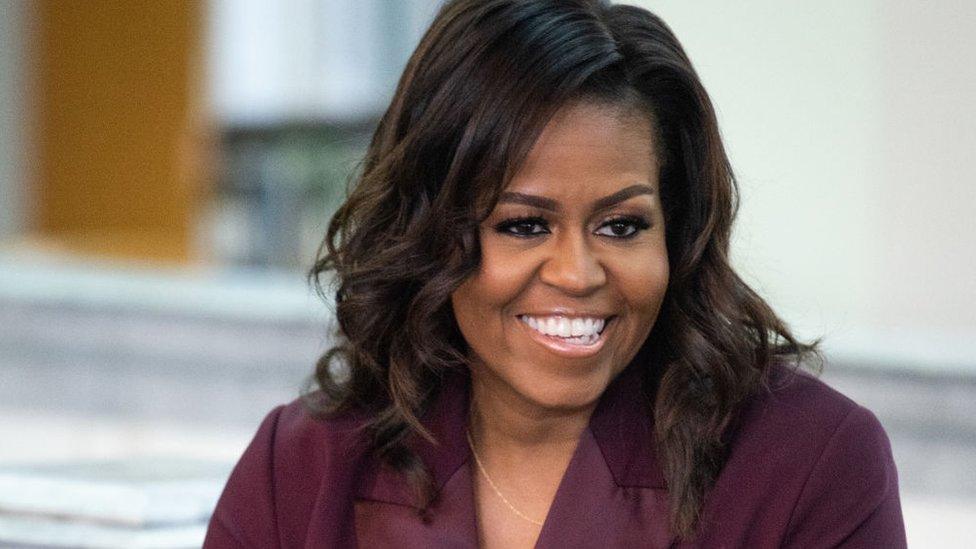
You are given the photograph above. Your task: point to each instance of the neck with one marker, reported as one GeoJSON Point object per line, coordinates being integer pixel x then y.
{"type": "Point", "coordinates": [502, 421]}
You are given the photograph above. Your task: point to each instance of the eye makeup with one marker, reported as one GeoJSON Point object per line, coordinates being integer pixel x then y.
{"type": "Point", "coordinates": [617, 226]}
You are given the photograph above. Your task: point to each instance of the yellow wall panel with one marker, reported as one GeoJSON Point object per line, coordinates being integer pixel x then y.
{"type": "Point", "coordinates": [118, 128]}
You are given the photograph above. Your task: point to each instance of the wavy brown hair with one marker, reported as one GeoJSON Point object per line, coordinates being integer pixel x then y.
{"type": "Point", "coordinates": [485, 79]}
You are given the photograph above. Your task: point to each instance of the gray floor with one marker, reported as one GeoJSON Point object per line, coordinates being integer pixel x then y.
{"type": "Point", "coordinates": [146, 366]}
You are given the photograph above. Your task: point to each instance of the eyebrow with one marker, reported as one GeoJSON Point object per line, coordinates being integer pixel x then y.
{"type": "Point", "coordinates": [553, 206]}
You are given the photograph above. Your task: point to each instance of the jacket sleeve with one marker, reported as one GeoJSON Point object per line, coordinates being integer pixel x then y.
{"type": "Point", "coordinates": [850, 498]}
{"type": "Point", "coordinates": [245, 513]}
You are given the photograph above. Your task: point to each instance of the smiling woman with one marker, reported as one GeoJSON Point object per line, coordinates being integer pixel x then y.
{"type": "Point", "coordinates": [574, 243]}
{"type": "Point", "coordinates": [573, 271]}
{"type": "Point", "coordinates": [541, 340]}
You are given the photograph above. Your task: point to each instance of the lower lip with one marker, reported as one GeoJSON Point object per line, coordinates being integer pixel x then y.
{"type": "Point", "coordinates": [562, 348]}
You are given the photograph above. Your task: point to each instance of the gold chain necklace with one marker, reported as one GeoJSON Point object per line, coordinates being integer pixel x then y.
{"type": "Point", "coordinates": [491, 483]}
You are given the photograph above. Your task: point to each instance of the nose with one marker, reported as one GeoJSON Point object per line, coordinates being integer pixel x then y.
{"type": "Point", "coordinates": [571, 265]}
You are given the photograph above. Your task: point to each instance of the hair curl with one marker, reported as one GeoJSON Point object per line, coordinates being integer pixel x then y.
{"type": "Point", "coordinates": [483, 82]}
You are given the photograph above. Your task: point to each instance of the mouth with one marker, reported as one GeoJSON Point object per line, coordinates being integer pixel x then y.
{"type": "Point", "coordinates": [568, 336]}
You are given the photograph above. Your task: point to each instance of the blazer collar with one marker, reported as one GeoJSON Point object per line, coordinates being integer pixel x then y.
{"type": "Point", "coordinates": [622, 425]}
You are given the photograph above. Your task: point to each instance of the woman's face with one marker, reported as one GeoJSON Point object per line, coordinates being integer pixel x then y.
{"type": "Point", "coordinates": [574, 265]}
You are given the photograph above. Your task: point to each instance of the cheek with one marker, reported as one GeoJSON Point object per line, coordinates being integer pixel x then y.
{"type": "Point", "coordinates": [502, 275]}
{"type": "Point", "coordinates": [643, 281]}
{"type": "Point", "coordinates": [482, 301]}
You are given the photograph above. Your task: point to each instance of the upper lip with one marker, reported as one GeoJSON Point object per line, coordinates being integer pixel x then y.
{"type": "Point", "coordinates": [568, 313]}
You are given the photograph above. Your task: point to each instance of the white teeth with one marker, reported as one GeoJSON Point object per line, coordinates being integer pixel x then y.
{"type": "Point", "coordinates": [552, 327]}
{"type": "Point", "coordinates": [565, 328]}
{"type": "Point", "coordinates": [579, 326]}
{"type": "Point", "coordinates": [581, 331]}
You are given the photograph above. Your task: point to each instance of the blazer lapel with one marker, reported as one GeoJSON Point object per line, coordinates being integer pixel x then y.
{"type": "Point", "coordinates": [612, 495]}
{"type": "Point", "coordinates": [386, 512]}
{"type": "Point", "coordinates": [592, 510]}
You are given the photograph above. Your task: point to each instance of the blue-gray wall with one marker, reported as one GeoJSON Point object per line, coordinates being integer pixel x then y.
{"type": "Point", "coordinates": [13, 104]}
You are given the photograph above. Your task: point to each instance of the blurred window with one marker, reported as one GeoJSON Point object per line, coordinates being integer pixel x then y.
{"type": "Point", "coordinates": [297, 87]}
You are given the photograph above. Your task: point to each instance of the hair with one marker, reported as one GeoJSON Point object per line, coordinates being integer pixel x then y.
{"type": "Point", "coordinates": [483, 82]}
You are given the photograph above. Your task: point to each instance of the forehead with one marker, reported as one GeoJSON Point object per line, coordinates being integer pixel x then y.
{"type": "Point", "coordinates": [587, 145]}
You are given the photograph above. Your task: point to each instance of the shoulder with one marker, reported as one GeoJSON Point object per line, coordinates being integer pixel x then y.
{"type": "Point", "coordinates": [801, 425]}
{"type": "Point", "coordinates": [799, 421]}
{"type": "Point", "coordinates": [291, 438]}
{"type": "Point", "coordinates": [816, 464]}
{"type": "Point", "coordinates": [313, 441]}
{"type": "Point", "coordinates": [796, 406]}
{"type": "Point", "coordinates": [277, 484]}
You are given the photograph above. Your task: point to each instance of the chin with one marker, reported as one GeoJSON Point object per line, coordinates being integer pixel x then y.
{"type": "Point", "coordinates": [567, 393]}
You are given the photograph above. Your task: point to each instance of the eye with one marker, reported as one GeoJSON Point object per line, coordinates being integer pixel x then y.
{"type": "Point", "coordinates": [523, 227]}
{"type": "Point", "coordinates": [623, 227]}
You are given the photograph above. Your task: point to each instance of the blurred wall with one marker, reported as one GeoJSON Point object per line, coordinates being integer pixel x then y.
{"type": "Point", "coordinates": [309, 60]}
{"type": "Point", "coordinates": [851, 126]}
{"type": "Point", "coordinates": [14, 20]}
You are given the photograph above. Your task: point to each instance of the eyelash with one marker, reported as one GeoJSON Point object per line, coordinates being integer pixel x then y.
{"type": "Point", "coordinates": [509, 225]}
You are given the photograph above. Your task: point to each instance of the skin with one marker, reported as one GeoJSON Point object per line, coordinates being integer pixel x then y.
{"type": "Point", "coordinates": [530, 404]}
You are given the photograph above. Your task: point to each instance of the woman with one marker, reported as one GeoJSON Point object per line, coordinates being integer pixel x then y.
{"type": "Point", "coordinates": [541, 340]}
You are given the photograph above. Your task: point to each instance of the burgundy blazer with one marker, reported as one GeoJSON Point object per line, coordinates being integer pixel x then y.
{"type": "Point", "coordinates": [807, 467]}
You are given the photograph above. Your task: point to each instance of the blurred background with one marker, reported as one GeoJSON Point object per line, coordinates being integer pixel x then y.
{"type": "Point", "coordinates": [167, 170]}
